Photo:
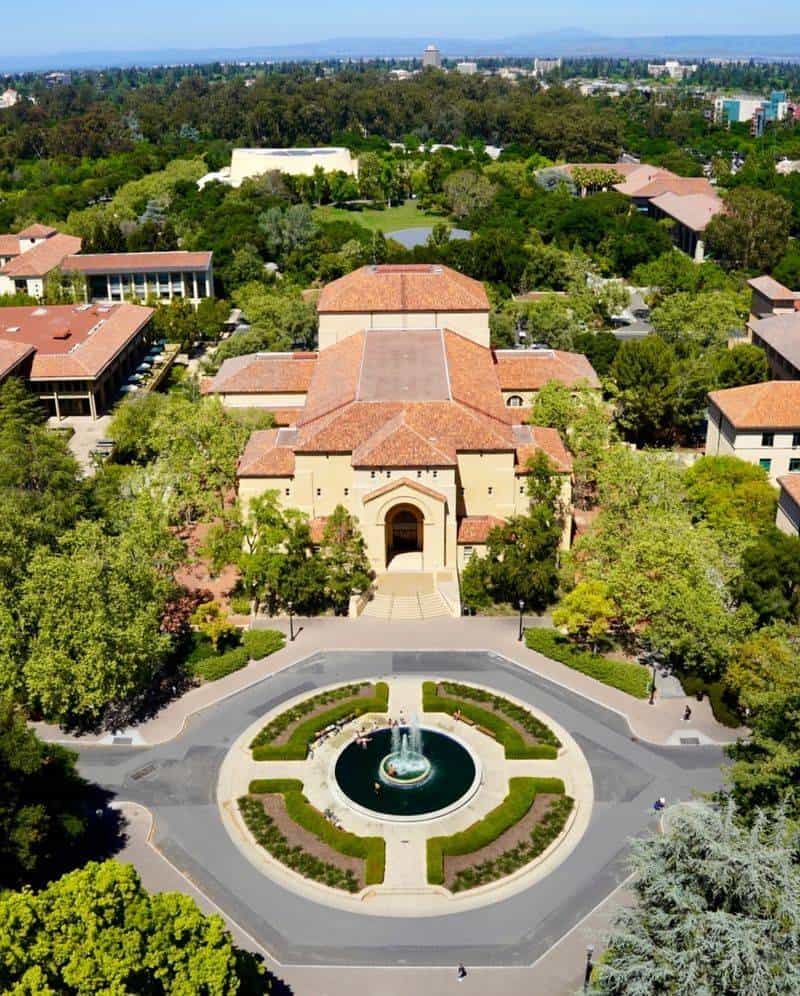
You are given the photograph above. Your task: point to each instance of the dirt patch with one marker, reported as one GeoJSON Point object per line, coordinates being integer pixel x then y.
{"type": "Point", "coordinates": [196, 573]}
{"type": "Point", "coordinates": [518, 834]}
{"type": "Point", "coordinates": [527, 737]}
{"type": "Point", "coordinates": [275, 806]}
{"type": "Point", "coordinates": [365, 693]}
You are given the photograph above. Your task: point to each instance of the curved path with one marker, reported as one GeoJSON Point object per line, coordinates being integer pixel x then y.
{"type": "Point", "coordinates": [176, 780]}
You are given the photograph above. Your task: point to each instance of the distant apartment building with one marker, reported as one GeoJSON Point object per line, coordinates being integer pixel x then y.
{"type": "Point", "coordinates": [8, 98]}
{"type": "Point", "coordinates": [467, 68]}
{"type": "Point", "coordinates": [162, 276]}
{"type": "Point", "coordinates": [672, 68]}
{"type": "Point", "coordinates": [543, 66]}
{"type": "Point", "coordinates": [756, 110]}
{"type": "Point", "coordinates": [431, 58]}
{"type": "Point", "coordinates": [57, 79]}
{"type": "Point", "coordinates": [75, 358]}
{"type": "Point", "coordinates": [774, 325]}
{"type": "Point", "coordinates": [759, 423]}
{"type": "Point", "coordinates": [27, 258]}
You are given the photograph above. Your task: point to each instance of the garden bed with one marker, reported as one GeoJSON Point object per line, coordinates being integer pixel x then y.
{"type": "Point", "coordinates": [204, 662]}
{"type": "Point", "coordinates": [525, 823]}
{"type": "Point", "coordinates": [289, 736]}
{"type": "Point", "coordinates": [627, 676]}
{"type": "Point", "coordinates": [284, 823]}
{"type": "Point", "coordinates": [521, 734]}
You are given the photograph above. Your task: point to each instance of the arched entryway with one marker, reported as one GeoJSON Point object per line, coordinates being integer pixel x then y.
{"type": "Point", "coordinates": [404, 531]}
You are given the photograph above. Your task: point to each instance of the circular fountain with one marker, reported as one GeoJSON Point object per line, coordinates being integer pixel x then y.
{"type": "Point", "coordinates": [406, 773]}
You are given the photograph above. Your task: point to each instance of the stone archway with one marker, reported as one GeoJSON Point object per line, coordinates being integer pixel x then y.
{"type": "Point", "coordinates": [404, 530]}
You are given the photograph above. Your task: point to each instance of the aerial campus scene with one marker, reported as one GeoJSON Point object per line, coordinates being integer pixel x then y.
{"type": "Point", "coordinates": [399, 500]}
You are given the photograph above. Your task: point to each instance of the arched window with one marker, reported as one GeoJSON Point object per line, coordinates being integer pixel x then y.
{"type": "Point", "coordinates": [515, 401]}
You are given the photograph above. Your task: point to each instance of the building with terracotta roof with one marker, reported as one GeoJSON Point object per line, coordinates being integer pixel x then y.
{"type": "Point", "coordinates": [787, 517]}
{"type": "Point", "coordinates": [774, 325]}
{"type": "Point", "coordinates": [29, 256]}
{"type": "Point", "coordinates": [75, 357]}
{"type": "Point", "coordinates": [118, 276]}
{"type": "Point", "coordinates": [759, 423]}
{"type": "Point", "coordinates": [410, 427]}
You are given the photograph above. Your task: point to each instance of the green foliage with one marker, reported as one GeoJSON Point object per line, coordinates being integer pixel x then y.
{"type": "Point", "coordinates": [744, 364]}
{"type": "Point", "coordinates": [733, 496]}
{"type": "Point", "coordinates": [44, 800]}
{"type": "Point", "coordinates": [212, 621]}
{"type": "Point", "coordinates": [97, 930]}
{"type": "Point", "coordinates": [675, 272]}
{"type": "Point", "coordinates": [752, 234]}
{"type": "Point", "coordinates": [261, 643]}
{"type": "Point", "coordinates": [705, 317]}
{"type": "Point", "coordinates": [344, 555]}
{"type": "Point", "coordinates": [624, 675]}
{"type": "Point", "coordinates": [586, 613]}
{"type": "Point", "coordinates": [521, 795]}
{"type": "Point", "coordinates": [717, 911]}
{"type": "Point", "coordinates": [296, 746]}
{"type": "Point", "coordinates": [643, 373]}
{"type": "Point", "coordinates": [216, 666]}
{"type": "Point", "coordinates": [521, 716]}
{"type": "Point", "coordinates": [475, 583]}
{"type": "Point", "coordinates": [770, 576]}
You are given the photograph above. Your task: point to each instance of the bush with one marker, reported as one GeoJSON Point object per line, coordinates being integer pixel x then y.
{"type": "Point", "coordinates": [240, 605]}
{"type": "Point", "coordinates": [518, 713]}
{"type": "Point", "coordinates": [521, 795]}
{"type": "Point", "coordinates": [372, 850]}
{"type": "Point", "coordinates": [624, 675]}
{"type": "Point", "coordinates": [296, 747]}
{"type": "Point", "coordinates": [262, 642]}
{"type": "Point", "coordinates": [219, 665]}
{"type": "Point", "coordinates": [503, 732]}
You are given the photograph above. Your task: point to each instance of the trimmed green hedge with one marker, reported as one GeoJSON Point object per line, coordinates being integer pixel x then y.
{"type": "Point", "coordinates": [372, 850]}
{"type": "Point", "coordinates": [296, 747]}
{"type": "Point", "coordinates": [505, 734]}
{"type": "Point", "coordinates": [624, 675]}
{"type": "Point", "coordinates": [219, 665]}
{"type": "Point", "coordinates": [518, 713]}
{"type": "Point", "coordinates": [521, 795]}
{"type": "Point", "coordinates": [262, 642]}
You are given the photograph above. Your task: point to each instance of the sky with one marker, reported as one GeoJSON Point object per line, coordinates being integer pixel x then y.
{"type": "Point", "coordinates": [151, 25]}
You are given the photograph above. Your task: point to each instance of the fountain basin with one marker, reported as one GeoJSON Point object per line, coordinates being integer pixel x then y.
{"type": "Point", "coordinates": [409, 768]}
{"type": "Point", "coordinates": [451, 778]}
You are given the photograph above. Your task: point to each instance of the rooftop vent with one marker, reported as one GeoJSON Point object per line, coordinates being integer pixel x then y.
{"type": "Point", "coordinates": [13, 328]}
{"type": "Point", "coordinates": [62, 334]}
{"type": "Point", "coordinates": [38, 312]}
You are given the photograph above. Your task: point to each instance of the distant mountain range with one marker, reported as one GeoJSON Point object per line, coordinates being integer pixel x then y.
{"type": "Point", "coordinates": [566, 42]}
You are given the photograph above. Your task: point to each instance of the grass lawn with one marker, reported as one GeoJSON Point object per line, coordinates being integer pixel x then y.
{"type": "Point", "coordinates": [391, 219]}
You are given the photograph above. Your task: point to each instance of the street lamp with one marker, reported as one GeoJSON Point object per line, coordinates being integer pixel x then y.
{"type": "Point", "coordinates": [521, 607]}
{"type": "Point", "coordinates": [589, 966]}
{"type": "Point", "coordinates": [290, 606]}
{"type": "Point", "coordinates": [653, 685]}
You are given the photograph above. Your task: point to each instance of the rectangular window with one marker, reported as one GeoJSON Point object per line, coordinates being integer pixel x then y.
{"type": "Point", "coordinates": [201, 285]}
{"type": "Point", "coordinates": [388, 473]}
{"type": "Point", "coordinates": [319, 492]}
{"type": "Point", "coordinates": [765, 463]}
{"type": "Point", "coordinates": [794, 465]}
{"type": "Point", "coordinates": [490, 490]}
{"type": "Point", "coordinates": [468, 551]}
{"type": "Point", "coordinates": [419, 473]}
{"type": "Point", "coordinates": [287, 492]}
{"type": "Point", "coordinates": [796, 439]}
{"type": "Point", "coordinates": [346, 492]}
{"type": "Point", "coordinates": [767, 438]}
{"type": "Point", "coordinates": [435, 473]}
{"type": "Point", "coordinates": [522, 489]}
{"type": "Point", "coordinates": [372, 474]}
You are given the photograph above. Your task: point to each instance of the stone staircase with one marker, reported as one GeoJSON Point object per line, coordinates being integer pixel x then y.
{"type": "Point", "coordinates": [402, 608]}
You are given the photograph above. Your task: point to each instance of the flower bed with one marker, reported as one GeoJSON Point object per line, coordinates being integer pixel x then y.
{"type": "Point", "coordinates": [522, 793]}
{"type": "Point", "coordinates": [351, 703]}
{"type": "Point", "coordinates": [493, 723]}
{"type": "Point", "coordinates": [371, 851]}
{"type": "Point", "coordinates": [624, 675]}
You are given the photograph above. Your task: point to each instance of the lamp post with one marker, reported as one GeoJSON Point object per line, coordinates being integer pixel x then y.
{"type": "Point", "coordinates": [290, 606]}
{"type": "Point", "coordinates": [653, 686]}
{"type": "Point", "coordinates": [589, 966]}
{"type": "Point", "coordinates": [521, 608]}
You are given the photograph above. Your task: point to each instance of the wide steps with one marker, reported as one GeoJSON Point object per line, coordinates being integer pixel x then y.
{"type": "Point", "coordinates": [405, 608]}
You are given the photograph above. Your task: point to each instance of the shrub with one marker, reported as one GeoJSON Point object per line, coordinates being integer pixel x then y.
{"type": "Point", "coordinates": [296, 747]}
{"type": "Point", "coordinates": [521, 795]}
{"type": "Point", "coordinates": [240, 605]}
{"type": "Point", "coordinates": [624, 675]}
{"type": "Point", "coordinates": [219, 665]}
{"type": "Point", "coordinates": [262, 642]}
{"type": "Point", "coordinates": [513, 743]}
{"type": "Point", "coordinates": [723, 700]}
{"type": "Point", "coordinates": [516, 712]}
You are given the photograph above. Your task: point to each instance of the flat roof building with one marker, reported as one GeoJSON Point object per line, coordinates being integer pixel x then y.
{"type": "Point", "coordinates": [248, 163]}
{"type": "Point", "coordinates": [161, 276]}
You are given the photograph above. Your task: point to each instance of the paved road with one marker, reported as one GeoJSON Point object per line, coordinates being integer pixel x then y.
{"type": "Point", "coordinates": [176, 781]}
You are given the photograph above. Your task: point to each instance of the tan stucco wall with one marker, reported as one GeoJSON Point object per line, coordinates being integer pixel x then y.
{"type": "Point", "coordinates": [482, 473]}
{"type": "Point", "coordinates": [472, 325]}
{"type": "Point", "coordinates": [254, 162]}
{"type": "Point", "coordinates": [723, 440]}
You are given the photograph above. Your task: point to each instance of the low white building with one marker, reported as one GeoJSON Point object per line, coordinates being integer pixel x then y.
{"type": "Point", "coordinates": [672, 68]}
{"type": "Point", "coordinates": [8, 98]}
{"type": "Point", "coordinates": [759, 423]}
{"type": "Point", "coordinates": [247, 163]}
{"type": "Point", "coordinates": [27, 257]}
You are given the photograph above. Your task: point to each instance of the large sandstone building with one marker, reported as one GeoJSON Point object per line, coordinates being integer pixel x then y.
{"type": "Point", "coordinates": [406, 417]}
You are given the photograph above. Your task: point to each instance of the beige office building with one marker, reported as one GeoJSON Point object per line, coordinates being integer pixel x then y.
{"type": "Point", "coordinates": [247, 163]}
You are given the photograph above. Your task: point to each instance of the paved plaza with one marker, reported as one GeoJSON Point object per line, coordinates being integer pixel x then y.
{"type": "Point", "coordinates": [176, 781]}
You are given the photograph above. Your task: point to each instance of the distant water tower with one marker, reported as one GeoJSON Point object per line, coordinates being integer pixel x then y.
{"type": "Point", "coordinates": [432, 57]}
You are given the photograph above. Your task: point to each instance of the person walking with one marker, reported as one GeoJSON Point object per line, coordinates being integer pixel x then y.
{"type": "Point", "coordinates": [462, 973]}
{"type": "Point", "coordinates": [687, 714]}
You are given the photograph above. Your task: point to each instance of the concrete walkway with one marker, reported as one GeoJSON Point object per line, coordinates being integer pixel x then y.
{"type": "Point", "coordinates": [660, 723]}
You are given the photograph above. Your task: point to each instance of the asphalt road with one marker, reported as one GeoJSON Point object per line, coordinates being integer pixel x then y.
{"type": "Point", "coordinates": [177, 782]}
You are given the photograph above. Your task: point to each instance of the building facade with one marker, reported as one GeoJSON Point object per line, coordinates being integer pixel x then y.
{"type": "Point", "coordinates": [431, 58]}
{"type": "Point", "coordinates": [28, 257]}
{"type": "Point", "coordinates": [162, 276]}
{"type": "Point", "coordinates": [759, 423]}
{"type": "Point", "coordinates": [774, 325]}
{"type": "Point", "coordinates": [402, 419]}
{"type": "Point", "coordinates": [248, 163]}
{"type": "Point", "coordinates": [787, 518]}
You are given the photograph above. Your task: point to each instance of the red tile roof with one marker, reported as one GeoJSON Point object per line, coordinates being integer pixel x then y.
{"type": "Point", "coordinates": [476, 528]}
{"type": "Point", "coordinates": [403, 288]}
{"type": "Point", "coordinates": [264, 373]}
{"type": "Point", "coordinates": [771, 289]}
{"type": "Point", "coordinates": [11, 355]}
{"type": "Point", "coordinates": [398, 444]}
{"type": "Point", "coordinates": [790, 483]}
{"type": "Point", "coordinates": [9, 245]}
{"type": "Point", "coordinates": [473, 377]}
{"type": "Point", "coordinates": [43, 257]}
{"type": "Point", "coordinates": [73, 343]}
{"type": "Point", "coordinates": [774, 404]}
{"type": "Point", "coordinates": [532, 439]}
{"type": "Point", "coordinates": [37, 232]}
{"type": "Point", "coordinates": [137, 262]}
{"type": "Point", "coordinates": [531, 369]}
{"type": "Point", "coordinates": [692, 210]}
{"type": "Point", "coordinates": [264, 456]}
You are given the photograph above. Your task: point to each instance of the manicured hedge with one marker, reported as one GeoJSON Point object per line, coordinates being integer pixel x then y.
{"type": "Point", "coordinates": [522, 716]}
{"type": "Point", "coordinates": [372, 850]}
{"type": "Point", "coordinates": [515, 746]}
{"type": "Point", "coordinates": [262, 642]}
{"type": "Point", "coordinates": [219, 665]}
{"type": "Point", "coordinates": [521, 795]}
{"type": "Point", "coordinates": [624, 675]}
{"type": "Point", "coordinates": [296, 747]}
